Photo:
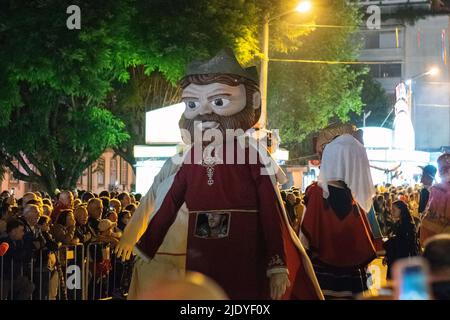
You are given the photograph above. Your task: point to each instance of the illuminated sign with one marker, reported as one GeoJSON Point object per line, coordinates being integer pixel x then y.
{"type": "Point", "coordinates": [161, 125]}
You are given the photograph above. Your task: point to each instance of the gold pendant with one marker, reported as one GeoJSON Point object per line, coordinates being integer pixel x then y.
{"type": "Point", "coordinates": [209, 163]}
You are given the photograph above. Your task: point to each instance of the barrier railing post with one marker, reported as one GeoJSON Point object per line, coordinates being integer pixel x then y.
{"type": "Point", "coordinates": [31, 276]}
{"type": "Point", "coordinates": [114, 266]}
{"type": "Point", "coordinates": [86, 275]}
{"type": "Point", "coordinates": [1, 280]}
{"type": "Point", "coordinates": [83, 275]}
{"type": "Point", "coordinates": [40, 276]}
{"type": "Point", "coordinates": [86, 269]}
{"type": "Point", "coordinates": [59, 260]}
{"type": "Point", "coordinates": [12, 280]}
{"type": "Point", "coordinates": [95, 273]}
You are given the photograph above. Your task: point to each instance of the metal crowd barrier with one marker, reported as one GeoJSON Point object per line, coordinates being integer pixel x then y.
{"type": "Point", "coordinates": [108, 277]}
{"type": "Point", "coordinates": [73, 273]}
{"type": "Point", "coordinates": [70, 266]}
{"type": "Point", "coordinates": [23, 280]}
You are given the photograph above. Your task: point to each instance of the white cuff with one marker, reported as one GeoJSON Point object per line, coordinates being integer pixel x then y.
{"type": "Point", "coordinates": [277, 270]}
{"type": "Point", "coordinates": [141, 255]}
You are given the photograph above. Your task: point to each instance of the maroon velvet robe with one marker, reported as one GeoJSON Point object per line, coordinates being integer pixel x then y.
{"type": "Point", "coordinates": [346, 243]}
{"type": "Point", "coordinates": [257, 238]}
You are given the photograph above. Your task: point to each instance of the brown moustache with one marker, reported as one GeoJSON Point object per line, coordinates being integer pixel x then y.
{"type": "Point", "coordinates": [244, 120]}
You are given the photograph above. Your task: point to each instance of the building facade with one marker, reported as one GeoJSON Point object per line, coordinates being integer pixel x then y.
{"type": "Point", "coordinates": [400, 51]}
{"type": "Point", "coordinates": [109, 172]}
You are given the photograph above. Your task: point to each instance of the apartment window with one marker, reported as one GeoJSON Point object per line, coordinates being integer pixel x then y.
{"type": "Point", "coordinates": [388, 39]}
{"type": "Point", "coordinates": [113, 171]}
{"type": "Point", "coordinates": [372, 40]}
{"type": "Point", "coordinates": [100, 171]}
{"type": "Point", "coordinates": [381, 39]}
{"type": "Point", "coordinates": [123, 172]}
{"type": "Point", "coordinates": [391, 70]}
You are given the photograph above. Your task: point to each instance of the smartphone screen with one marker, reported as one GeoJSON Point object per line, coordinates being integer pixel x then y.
{"type": "Point", "coordinates": [414, 284]}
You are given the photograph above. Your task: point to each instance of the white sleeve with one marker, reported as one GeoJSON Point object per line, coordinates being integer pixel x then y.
{"type": "Point", "coordinates": [141, 217]}
{"type": "Point", "coordinates": [301, 235]}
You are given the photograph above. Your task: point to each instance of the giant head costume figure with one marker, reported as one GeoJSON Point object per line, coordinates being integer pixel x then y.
{"type": "Point", "coordinates": [436, 218]}
{"type": "Point", "coordinates": [255, 254]}
{"type": "Point", "coordinates": [220, 94]}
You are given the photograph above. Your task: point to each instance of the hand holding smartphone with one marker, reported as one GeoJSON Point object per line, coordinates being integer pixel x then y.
{"type": "Point", "coordinates": [411, 277]}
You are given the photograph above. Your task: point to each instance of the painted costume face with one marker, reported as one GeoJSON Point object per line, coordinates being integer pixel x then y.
{"type": "Point", "coordinates": [217, 98]}
{"type": "Point", "coordinates": [219, 102]}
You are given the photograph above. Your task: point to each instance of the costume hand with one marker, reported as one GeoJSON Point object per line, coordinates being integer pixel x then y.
{"type": "Point", "coordinates": [124, 249]}
{"type": "Point", "coordinates": [279, 282]}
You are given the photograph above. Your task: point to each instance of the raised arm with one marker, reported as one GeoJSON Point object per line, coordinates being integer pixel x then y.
{"type": "Point", "coordinates": [163, 217]}
{"type": "Point", "coordinates": [139, 221]}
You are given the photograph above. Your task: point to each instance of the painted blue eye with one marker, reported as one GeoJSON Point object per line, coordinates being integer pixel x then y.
{"type": "Point", "coordinates": [220, 102]}
{"type": "Point", "coordinates": [192, 104]}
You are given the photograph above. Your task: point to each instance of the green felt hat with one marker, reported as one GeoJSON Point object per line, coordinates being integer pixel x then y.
{"type": "Point", "coordinates": [224, 62]}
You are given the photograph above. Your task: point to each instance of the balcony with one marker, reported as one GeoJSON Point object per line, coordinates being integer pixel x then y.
{"type": "Point", "coordinates": [392, 6]}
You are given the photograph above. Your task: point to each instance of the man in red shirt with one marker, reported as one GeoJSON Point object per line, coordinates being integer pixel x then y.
{"type": "Point", "coordinates": [65, 201]}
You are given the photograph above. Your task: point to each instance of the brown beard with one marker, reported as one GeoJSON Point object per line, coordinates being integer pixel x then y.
{"type": "Point", "coordinates": [243, 120]}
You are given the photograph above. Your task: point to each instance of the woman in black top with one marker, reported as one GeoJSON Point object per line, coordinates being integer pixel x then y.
{"type": "Point", "coordinates": [402, 241]}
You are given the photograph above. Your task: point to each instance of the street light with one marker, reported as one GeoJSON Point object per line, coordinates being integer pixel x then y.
{"type": "Point", "coordinates": [431, 72]}
{"type": "Point", "coordinates": [365, 116]}
{"type": "Point", "coordinates": [302, 7]}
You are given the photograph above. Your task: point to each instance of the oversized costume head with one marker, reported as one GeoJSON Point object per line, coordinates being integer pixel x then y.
{"type": "Point", "coordinates": [444, 164]}
{"type": "Point", "coordinates": [220, 94]}
{"type": "Point", "coordinates": [330, 133]}
{"type": "Point", "coordinates": [345, 159]}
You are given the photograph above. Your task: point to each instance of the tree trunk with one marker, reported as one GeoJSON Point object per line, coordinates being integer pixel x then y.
{"type": "Point", "coordinates": [128, 156]}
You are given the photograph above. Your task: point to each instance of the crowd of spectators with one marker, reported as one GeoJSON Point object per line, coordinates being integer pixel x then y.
{"type": "Point", "coordinates": [38, 227]}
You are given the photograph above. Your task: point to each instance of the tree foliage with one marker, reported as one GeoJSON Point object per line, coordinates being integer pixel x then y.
{"type": "Point", "coordinates": [131, 101]}
{"type": "Point", "coordinates": [166, 36]}
{"type": "Point", "coordinates": [54, 81]}
{"type": "Point", "coordinates": [66, 95]}
{"type": "Point", "coordinates": [375, 101]}
{"type": "Point", "coordinates": [305, 97]}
